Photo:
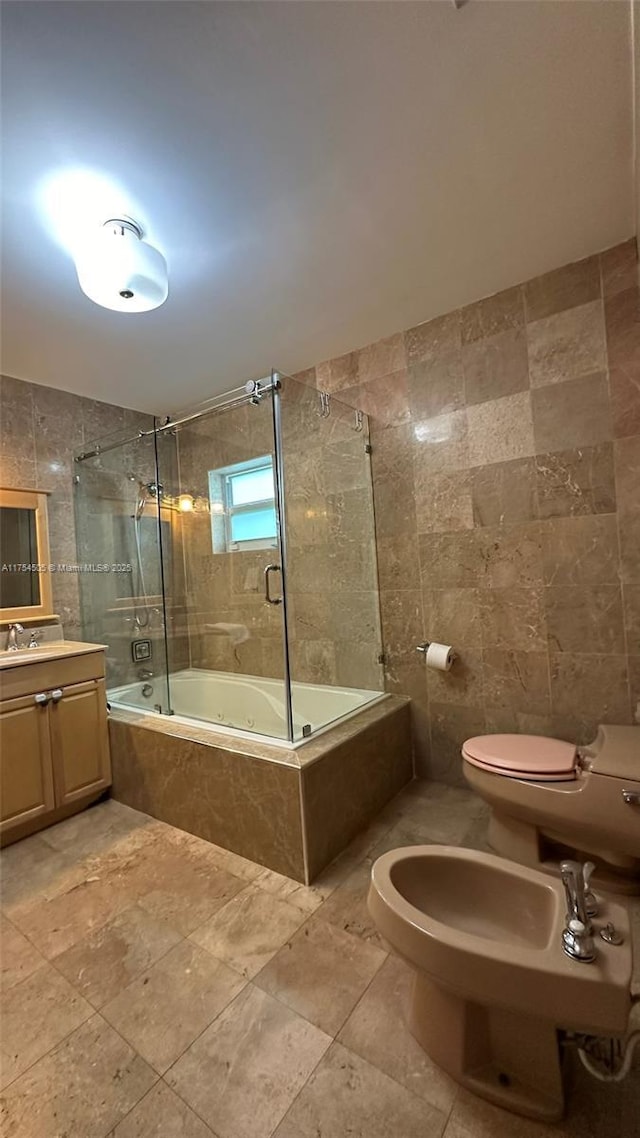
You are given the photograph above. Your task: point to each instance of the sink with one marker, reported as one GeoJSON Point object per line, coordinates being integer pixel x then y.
{"type": "Point", "coordinates": [53, 650]}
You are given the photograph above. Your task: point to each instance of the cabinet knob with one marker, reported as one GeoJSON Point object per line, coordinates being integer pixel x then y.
{"type": "Point", "coordinates": [56, 695]}
{"type": "Point", "coordinates": [41, 698]}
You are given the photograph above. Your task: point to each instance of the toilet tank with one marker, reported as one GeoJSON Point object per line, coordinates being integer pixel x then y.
{"type": "Point", "coordinates": [615, 751]}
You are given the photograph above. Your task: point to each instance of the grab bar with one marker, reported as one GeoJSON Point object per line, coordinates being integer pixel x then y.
{"type": "Point", "coordinates": [267, 591]}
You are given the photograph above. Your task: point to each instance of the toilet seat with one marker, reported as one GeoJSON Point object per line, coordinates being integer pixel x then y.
{"type": "Point", "coordinates": [530, 757]}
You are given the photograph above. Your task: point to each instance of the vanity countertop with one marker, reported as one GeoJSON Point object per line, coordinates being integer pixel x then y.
{"type": "Point", "coordinates": [54, 650]}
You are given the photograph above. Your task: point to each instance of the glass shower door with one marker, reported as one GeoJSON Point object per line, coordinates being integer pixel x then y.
{"type": "Point", "coordinates": [227, 536]}
{"type": "Point", "coordinates": [120, 515]}
{"type": "Point", "coordinates": [331, 565]}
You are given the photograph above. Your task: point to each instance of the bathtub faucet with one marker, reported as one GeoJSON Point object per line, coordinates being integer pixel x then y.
{"type": "Point", "coordinates": [577, 938]}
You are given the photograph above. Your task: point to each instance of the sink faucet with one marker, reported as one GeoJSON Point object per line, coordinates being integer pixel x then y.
{"type": "Point", "coordinates": [12, 637]}
{"type": "Point", "coordinates": [577, 939]}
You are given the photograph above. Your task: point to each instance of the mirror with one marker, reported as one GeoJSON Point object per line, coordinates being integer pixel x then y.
{"type": "Point", "coordinates": [25, 581]}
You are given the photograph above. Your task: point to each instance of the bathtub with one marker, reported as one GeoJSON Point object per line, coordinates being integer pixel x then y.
{"type": "Point", "coordinates": [248, 706]}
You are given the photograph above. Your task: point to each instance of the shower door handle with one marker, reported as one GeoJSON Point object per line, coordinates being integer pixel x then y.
{"type": "Point", "coordinates": [267, 591]}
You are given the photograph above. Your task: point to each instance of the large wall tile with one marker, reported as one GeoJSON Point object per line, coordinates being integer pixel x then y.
{"type": "Point", "coordinates": [492, 315]}
{"type": "Point", "coordinates": [587, 690]}
{"type": "Point", "coordinates": [576, 482]}
{"type": "Point", "coordinates": [568, 287]}
{"type": "Point", "coordinates": [386, 398]}
{"type": "Point", "coordinates": [392, 468]}
{"type": "Point", "coordinates": [340, 372]}
{"type": "Point", "coordinates": [512, 555]}
{"type": "Point", "coordinates": [631, 602]}
{"type": "Point", "coordinates": [398, 562]}
{"type": "Point", "coordinates": [440, 443]}
{"type": "Point", "coordinates": [452, 616]}
{"type": "Point", "coordinates": [516, 682]}
{"type": "Point", "coordinates": [500, 430]}
{"type": "Point", "coordinates": [495, 366]}
{"type": "Point", "coordinates": [382, 358]}
{"type": "Point", "coordinates": [433, 339]}
{"type": "Point", "coordinates": [585, 618]}
{"type": "Point", "coordinates": [627, 467]}
{"type": "Point", "coordinates": [435, 379]}
{"type": "Point", "coordinates": [436, 387]}
{"type": "Point", "coordinates": [402, 625]}
{"type": "Point", "coordinates": [451, 725]}
{"type": "Point", "coordinates": [572, 414]}
{"type": "Point", "coordinates": [622, 313]}
{"type": "Point", "coordinates": [504, 492]}
{"type": "Point", "coordinates": [462, 684]}
{"type": "Point", "coordinates": [514, 618]}
{"type": "Point", "coordinates": [450, 560]}
{"type": "Point", "coordinates": [443, 501]}
{"type": "Point", "coordinates": [634, 684]}
{"type": "Point", "coordinates": [581, 550]}
{"type": "Point", "coordinates": [567, 345]}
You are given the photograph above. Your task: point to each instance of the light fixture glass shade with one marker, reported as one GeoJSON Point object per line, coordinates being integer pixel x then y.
{"type": "Point", "coordinates": [118, 270]}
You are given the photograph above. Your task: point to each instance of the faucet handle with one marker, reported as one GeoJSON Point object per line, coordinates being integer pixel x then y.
{"type": "Point", "coordinates": [590, 898]}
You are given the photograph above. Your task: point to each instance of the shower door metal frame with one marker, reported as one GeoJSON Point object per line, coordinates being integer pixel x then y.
{"type": "Point", "coordinates": [278, 470]}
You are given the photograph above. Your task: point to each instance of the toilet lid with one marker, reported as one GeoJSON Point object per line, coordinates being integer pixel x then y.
{"type": "Point", "coordinates": [525, 755]}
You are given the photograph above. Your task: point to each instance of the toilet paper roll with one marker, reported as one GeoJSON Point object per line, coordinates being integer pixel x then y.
{"type": "Point", "coordinates": [440, 656]}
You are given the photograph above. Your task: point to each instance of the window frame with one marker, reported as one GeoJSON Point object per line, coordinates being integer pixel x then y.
{"type": "Point", "coordinates": [226, 475]}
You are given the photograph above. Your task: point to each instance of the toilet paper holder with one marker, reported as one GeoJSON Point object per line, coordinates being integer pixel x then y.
{"type": "Point", "coordinates": [425, 646]}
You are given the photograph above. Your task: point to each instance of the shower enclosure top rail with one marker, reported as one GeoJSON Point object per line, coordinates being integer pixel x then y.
{"type": "Point", "coordinates": [250, 392]}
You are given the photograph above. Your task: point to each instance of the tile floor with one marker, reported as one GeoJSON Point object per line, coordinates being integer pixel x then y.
{"type": "Point", "coordinates": [155, 986]}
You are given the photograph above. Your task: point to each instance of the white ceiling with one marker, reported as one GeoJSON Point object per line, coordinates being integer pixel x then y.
{"type": "Point", "coordinates": [318, 175]}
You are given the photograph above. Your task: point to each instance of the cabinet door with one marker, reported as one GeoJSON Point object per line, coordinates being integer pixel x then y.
{"type": "Point", "coordinates": [79, 740]}
{"type": "Point", "coordinates": [26, 777]}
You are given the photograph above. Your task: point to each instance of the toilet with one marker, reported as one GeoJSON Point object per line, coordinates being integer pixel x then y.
{"type": "Point", "coordinates": [495, 996]}
{"type": "Point", "coordinates": [551, 799]}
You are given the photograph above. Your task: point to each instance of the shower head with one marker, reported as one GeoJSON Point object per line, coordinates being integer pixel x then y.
{"type": "Point", "coordinates": [146, 491]}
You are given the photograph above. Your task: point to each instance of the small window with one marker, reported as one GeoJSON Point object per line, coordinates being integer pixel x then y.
{"type": "Point", "coordinates": [243, 508]}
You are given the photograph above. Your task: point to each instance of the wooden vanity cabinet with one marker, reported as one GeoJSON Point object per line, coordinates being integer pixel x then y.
{"type": "Point", "coordinates": [54, 743]}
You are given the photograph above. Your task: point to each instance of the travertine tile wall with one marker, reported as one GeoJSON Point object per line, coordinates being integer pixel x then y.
{"type": "Point", "coordinates": [506, 456]}
{"type": "Point", "coordinates": [41, 429]}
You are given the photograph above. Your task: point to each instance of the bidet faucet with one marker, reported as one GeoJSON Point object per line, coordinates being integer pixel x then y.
{"type": "Point", "coordinates": [12, 637]}
{"type": "Point", "coordinates": [577, 939]}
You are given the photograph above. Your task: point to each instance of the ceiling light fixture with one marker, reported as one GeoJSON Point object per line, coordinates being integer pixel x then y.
{"type": "Point", "coordinates": [118, 270]}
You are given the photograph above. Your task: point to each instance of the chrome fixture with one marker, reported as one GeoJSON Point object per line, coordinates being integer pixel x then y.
{"type": "Point", "coordinates": [271, 600]}
{"type": "Point", "coordinates": [12, 637]}
{"type": "Point", "coordinates": [324, 409]}
{"type": "Point", "coordinates": [631, 797]}
{"type": "Point", "coordinates": [253, 390]}
{"type": "Point", "coordinates": [145, 674]}
{"type": "Point", "coordinates": [577, 938]}
{"type": "Point", "coordinates": [33, 635]}
{"type": "Point", "coordinates": [147, 691]}
{"type": "Point", "coordinates": [610, 935]}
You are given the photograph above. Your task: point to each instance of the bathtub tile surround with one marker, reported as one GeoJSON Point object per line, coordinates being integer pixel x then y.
{"type": "Point", "coordinates": [506, 462]}
{"type": "Point", "coordinates": [278, 984]}
{"type": "Point", "coordinates": [292, 811]}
